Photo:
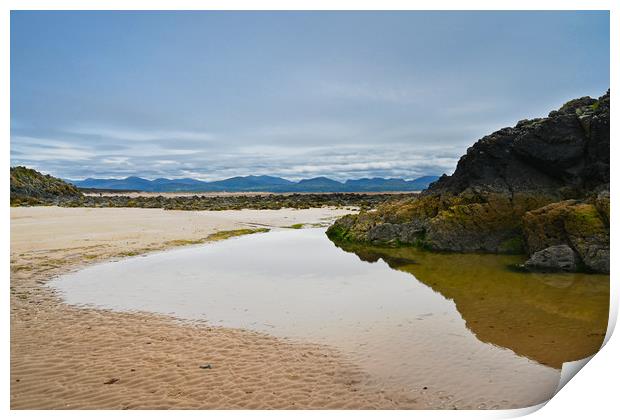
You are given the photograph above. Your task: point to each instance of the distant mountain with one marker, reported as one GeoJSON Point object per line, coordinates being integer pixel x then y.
{"type": "Point", "coordinates": [252, 183]}
{"type": "Point", "coordinates": [319, 184]}
{"type": "Point", "coordinates": [130, 183]}
{"type": "Point", "coordinates": [249, 183]}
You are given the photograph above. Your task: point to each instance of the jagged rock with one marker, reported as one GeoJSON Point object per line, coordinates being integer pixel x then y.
{"type": "Point", "coordinates": [501, 178]}
{"type": "Point", "coordinates": [539, 155]}
{"type": "Point", "coordinates": [554, 258]}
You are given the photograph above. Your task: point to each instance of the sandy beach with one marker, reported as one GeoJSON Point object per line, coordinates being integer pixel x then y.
{"type": "Point", "coordinates": [70, 358]}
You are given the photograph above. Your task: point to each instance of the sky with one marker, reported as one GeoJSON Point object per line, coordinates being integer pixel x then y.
{"type": "Point", "coordinates": [211, 95]}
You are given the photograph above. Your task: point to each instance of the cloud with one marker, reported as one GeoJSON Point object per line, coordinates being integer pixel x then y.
{"type": "Point", "coordinates": [402, 93]}
{"type": "Point", "coordinates": [292, 149]}
{"type": "Point", "coordinates": [347, 161]}
{"type": "Point", "coordinates": [43, 149]}
{"type": "Point", "coordinates": [129, 134]}
{"type": "Point", "coordinates": [115, 160]}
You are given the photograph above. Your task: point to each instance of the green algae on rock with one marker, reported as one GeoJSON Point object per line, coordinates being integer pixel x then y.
{"type": "Point", "coordinates": [577, 224]}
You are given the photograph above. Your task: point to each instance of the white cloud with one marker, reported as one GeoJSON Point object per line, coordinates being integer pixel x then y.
{"type": "Point", "coordinates": [42, 149]}
{"type": "Point", "coordinates": [360, 157]}
{"type": "Point", "coordinates": [116, 160]}
{"type": "Point", "coordinates": [129, 134]}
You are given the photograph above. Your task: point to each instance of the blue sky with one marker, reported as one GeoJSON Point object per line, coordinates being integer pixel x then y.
{"type": "Point", "coordinates": [211, 95]}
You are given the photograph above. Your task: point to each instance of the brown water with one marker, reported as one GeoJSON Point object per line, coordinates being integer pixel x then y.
{"type": "Point", "coordinates": [450, 330]}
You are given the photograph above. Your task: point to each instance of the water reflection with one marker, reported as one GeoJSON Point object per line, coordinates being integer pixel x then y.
{"type": "Point", "coordinates": [550, 318]}
{"type": "Point", "coordinates": [448, 330]}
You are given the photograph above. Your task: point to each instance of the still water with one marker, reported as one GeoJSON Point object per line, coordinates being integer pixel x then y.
{"type": "Point", "coordinates": [452, 330]}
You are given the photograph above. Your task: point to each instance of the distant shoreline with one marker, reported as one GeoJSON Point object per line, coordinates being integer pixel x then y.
{"type": "Point", "coordinates": [93, 192]}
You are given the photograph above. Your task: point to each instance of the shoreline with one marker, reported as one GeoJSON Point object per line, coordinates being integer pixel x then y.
{"type": "Point", "coordinates": [134, 194]}
{"type": "Point", "coordinates": [73, 357]}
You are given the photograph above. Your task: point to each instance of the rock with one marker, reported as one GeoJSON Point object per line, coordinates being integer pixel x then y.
{"type": "Point", "coordinates": [394, 233]}
{"type": "Point", "coordinates": [602, 205]}
{"type": "Point", "coordinates": [483, 206]}
{"type": "Point", "coordinates": [576, 223]}
{"type": "Point", "coordinates": [111, 381]}
{"type": "Point", "coordinates": [31, 187]}
{"type": "Point", "coordinates": [385, 232]}
{"type": "Point", "coordinates": [589, 236]}
{"type": "Point", "coordinates": [207, 366]}
{"type": "Point", "coordinates": [554, 258]}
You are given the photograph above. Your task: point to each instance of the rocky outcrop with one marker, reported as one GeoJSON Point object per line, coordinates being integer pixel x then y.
{"type": "Point", "coordinates": [31, 187]}
{"type": "Point", "coordinates": [578, 225]}
{"type": "Point", "coordinates": [501, 178]}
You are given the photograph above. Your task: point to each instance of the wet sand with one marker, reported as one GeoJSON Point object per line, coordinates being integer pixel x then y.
{"type": "Point", "coordinates": [63, 357]}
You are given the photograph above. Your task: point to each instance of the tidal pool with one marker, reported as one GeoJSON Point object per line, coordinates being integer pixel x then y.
{"type": "Point", "coordinates": [445, 330]}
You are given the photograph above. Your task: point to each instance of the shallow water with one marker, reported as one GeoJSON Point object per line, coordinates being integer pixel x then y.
{"type": "Point", "coordinates": [447, 330]}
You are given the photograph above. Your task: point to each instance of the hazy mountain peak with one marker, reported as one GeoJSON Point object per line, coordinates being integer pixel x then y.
{"type": "Point", "coordinates": [258, 183]}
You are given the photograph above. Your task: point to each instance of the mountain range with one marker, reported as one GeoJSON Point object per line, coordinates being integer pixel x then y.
{"type": "Point", "coordinates": [252, 183]}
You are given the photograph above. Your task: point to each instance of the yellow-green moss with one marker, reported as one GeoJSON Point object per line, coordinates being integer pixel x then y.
{"type": "Point", "coordinates": [183, 242]}
{"type": "Point", "coordinates": [584, 220]}
{"type": "Point", "coordinates": [225, 234]}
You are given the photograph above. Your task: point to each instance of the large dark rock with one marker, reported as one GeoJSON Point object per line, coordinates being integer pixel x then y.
{"type": "Point", "coordinates": [568, 150]}
{"type": "Point", "coordinates": [501, 178]}
{"type": "Point", "coordinates": [554, 258]}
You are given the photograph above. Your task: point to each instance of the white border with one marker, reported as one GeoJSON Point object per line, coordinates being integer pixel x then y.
{"type": "Point", "coordinates": [592, 394]}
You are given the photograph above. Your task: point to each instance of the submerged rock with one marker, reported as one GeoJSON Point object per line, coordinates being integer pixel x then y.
{"type": "Point", "coordinates": [503, 177]}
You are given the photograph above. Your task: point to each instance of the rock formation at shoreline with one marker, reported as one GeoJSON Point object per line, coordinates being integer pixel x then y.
{"type": "Point", "coordinates": [540, 184]}
{"type": "Point", "coordinates": [30, 187]}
